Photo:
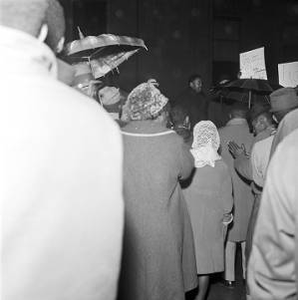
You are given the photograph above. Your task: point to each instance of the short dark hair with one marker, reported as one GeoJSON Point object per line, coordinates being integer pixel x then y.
{"type": "Point", "coordinates": [238, 110]}
{"type": "Point", "coordinates": [267, 114]}
{"type": "Point", "coordinates": [258, 110]}
{"type": "Point", "coordinates": [178, 114]}
{"type": "Point", "coordinates": [193, 77]}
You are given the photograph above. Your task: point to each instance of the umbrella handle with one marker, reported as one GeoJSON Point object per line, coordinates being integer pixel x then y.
{"type": "Point", "coordinates": [249, 99]}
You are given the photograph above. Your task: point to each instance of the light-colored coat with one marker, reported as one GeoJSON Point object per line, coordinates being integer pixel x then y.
{"type": "Point", "coordinates": [61, 182]}
{"type": "Point", "coordinates": [288, 124]}
{"type": "Point", "coordinates": [273, 264]}
{"type": "Point", "coordinates": [237, 130]}
{"type": "Point", "coordinates": [209, 199]}
{"type": "Point", "coordinates": [158, 252]}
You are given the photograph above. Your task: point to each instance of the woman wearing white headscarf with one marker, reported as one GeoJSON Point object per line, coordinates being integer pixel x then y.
{"type": "Point", "coordinates": [209, 199]}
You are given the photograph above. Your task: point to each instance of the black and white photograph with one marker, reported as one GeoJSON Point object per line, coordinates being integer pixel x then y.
{"type": "Point", "coordinates": [149, 149]}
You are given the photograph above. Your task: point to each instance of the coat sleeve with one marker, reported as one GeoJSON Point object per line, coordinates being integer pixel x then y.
{"type": "Point", "coordinates": [186, 160]}
{"type": "Point", "coordinates": [271, 270]}
{"type": "Point", "coordinates": [257, 166]}
{"type": "Point", "coordinates": [243, 166]}
{"type": "Point", "coordinates": [226, 195]}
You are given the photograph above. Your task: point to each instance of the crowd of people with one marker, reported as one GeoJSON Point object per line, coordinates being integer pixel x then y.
{"type": "Point", "coordinates": [145, 208]}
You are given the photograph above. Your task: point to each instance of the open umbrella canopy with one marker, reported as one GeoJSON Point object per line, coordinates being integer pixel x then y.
{"type": "Point", "coordinates": [104, 52]}
{"type": "Point", "coordinates": [249, 90]}
{"type": "Point", "coordinates": [257, 85]}
{"type": "Point", "coordinates": [242, 96]}
{"type": "Point", "coordinates": [90, 45]}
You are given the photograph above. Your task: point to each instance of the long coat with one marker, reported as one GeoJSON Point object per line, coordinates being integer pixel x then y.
{"type": "Point", "coordinates": [273, 264]}
{"type": "Point", "coordinates": [61, 182]}
{"type": "Point", "coordinates": [209, 199]}
{"type": "Point", "coordinates": [196, 104]}
{"type": "Point", "coordinates": [158, 253]}
{"type": "Point", "coordinates": [237, 130]}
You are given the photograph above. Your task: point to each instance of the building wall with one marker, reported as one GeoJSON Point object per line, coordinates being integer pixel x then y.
{"type": "Point", "coordinates": [177, 34]}
{"type": "Point", "coordinates": [196, 36]}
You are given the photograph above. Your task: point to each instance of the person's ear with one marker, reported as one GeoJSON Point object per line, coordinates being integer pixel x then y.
{"type": "Point", "coordinates": [60, 45]}
{"type": "Point", "coordinates": [186, 122]}
{"type": "Point", "coordinates": [43, 33]}
{"type": "Point", "coordinates": [274, 119]}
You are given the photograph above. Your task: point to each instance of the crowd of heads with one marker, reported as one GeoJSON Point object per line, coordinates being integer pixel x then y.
{"type": "Point", "coordinates": [45, 20]}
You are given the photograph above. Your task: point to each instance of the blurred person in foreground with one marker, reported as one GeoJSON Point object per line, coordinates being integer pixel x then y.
{"type": "Point", "coordinates": [158, 254]}
{"type": "Point", "coordinates": [273, 264]}
{"type": "Point", "coordinates": [237, 130]}
{"type": "Point", "coordinates": [283, 102]}
{"type": "Point", "coordinates": [210, 202]}
{"type": "Point", "coordinates": [61, 170]}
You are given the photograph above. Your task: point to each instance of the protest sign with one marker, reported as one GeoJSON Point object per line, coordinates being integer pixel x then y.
{"type": "Point", "coordinates": [288, 74]}
{"type": "Point", "coordinates": [252, 64]}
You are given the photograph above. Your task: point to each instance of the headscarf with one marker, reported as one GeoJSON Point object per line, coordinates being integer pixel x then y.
{"type": "Point", "coordinates": [205, 144]}
{"type": "Point", "coordinates": [144, 102]}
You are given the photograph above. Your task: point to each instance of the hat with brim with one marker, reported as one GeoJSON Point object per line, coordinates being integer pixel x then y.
{"type": "Point", "coordinates": [283, 99]}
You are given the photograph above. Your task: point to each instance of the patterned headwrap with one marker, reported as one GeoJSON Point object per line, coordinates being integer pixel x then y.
{"type": "Point", "coordinates": [205, 144]}
{"type": "Point", "coordinates": [144, 102]}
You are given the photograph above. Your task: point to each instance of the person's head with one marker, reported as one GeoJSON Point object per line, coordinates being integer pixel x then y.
{"type": "Point", "coordinates": [238, 111]}
{"type": "Point", "coordinates": [179, 116]}
{"type": "Point", "coordinates": [84, 80]}
{"type": "Point", "coordinates": [261, 121]}
{"type": "Point", "coordinates": [195, 83]}
{"type": "Point", "coordinates": [206, 143]}
{"type": "Point", "coordinates": [146, 102]}
{"type": "Point", "coordinates": [43, 19]}
{"type": "Point", "coordinates": [205, 134]}
{"type": "Point", "coordinates": [110, 98]}
{"type": "Point", "coordinates": [283, 101]}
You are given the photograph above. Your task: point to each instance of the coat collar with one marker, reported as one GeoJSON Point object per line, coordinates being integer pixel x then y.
{"type": "Point", "coordinates": [23, 54]}
{"type": "Point", "coordinates": [146, 127]}
{"type": "Point", "coordinates": [237, 121]}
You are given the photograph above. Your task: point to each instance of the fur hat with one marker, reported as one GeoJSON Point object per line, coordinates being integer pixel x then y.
{"type": "Point", "coordinates": [283, 99]}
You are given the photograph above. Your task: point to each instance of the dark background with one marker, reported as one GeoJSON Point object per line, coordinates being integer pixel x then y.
{"type": "Point", "coordinates": [190, 36]}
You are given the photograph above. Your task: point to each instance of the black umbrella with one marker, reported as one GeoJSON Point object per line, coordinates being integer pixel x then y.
{"type": "Point", "coordinates": [242, 89]}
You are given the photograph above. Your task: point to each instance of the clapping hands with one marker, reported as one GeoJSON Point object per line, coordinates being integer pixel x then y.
{"type": "Point", "coordinates": [237, 150]}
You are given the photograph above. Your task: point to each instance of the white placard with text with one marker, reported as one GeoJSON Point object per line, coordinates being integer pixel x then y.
{"type": "Point", "coordinates": [252, 64]}
{"type": "Point", "coordinates": [288, 74]}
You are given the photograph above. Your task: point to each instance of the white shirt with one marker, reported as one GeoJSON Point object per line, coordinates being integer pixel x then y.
{"type": "Point", "coordinates": [260, 159]}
